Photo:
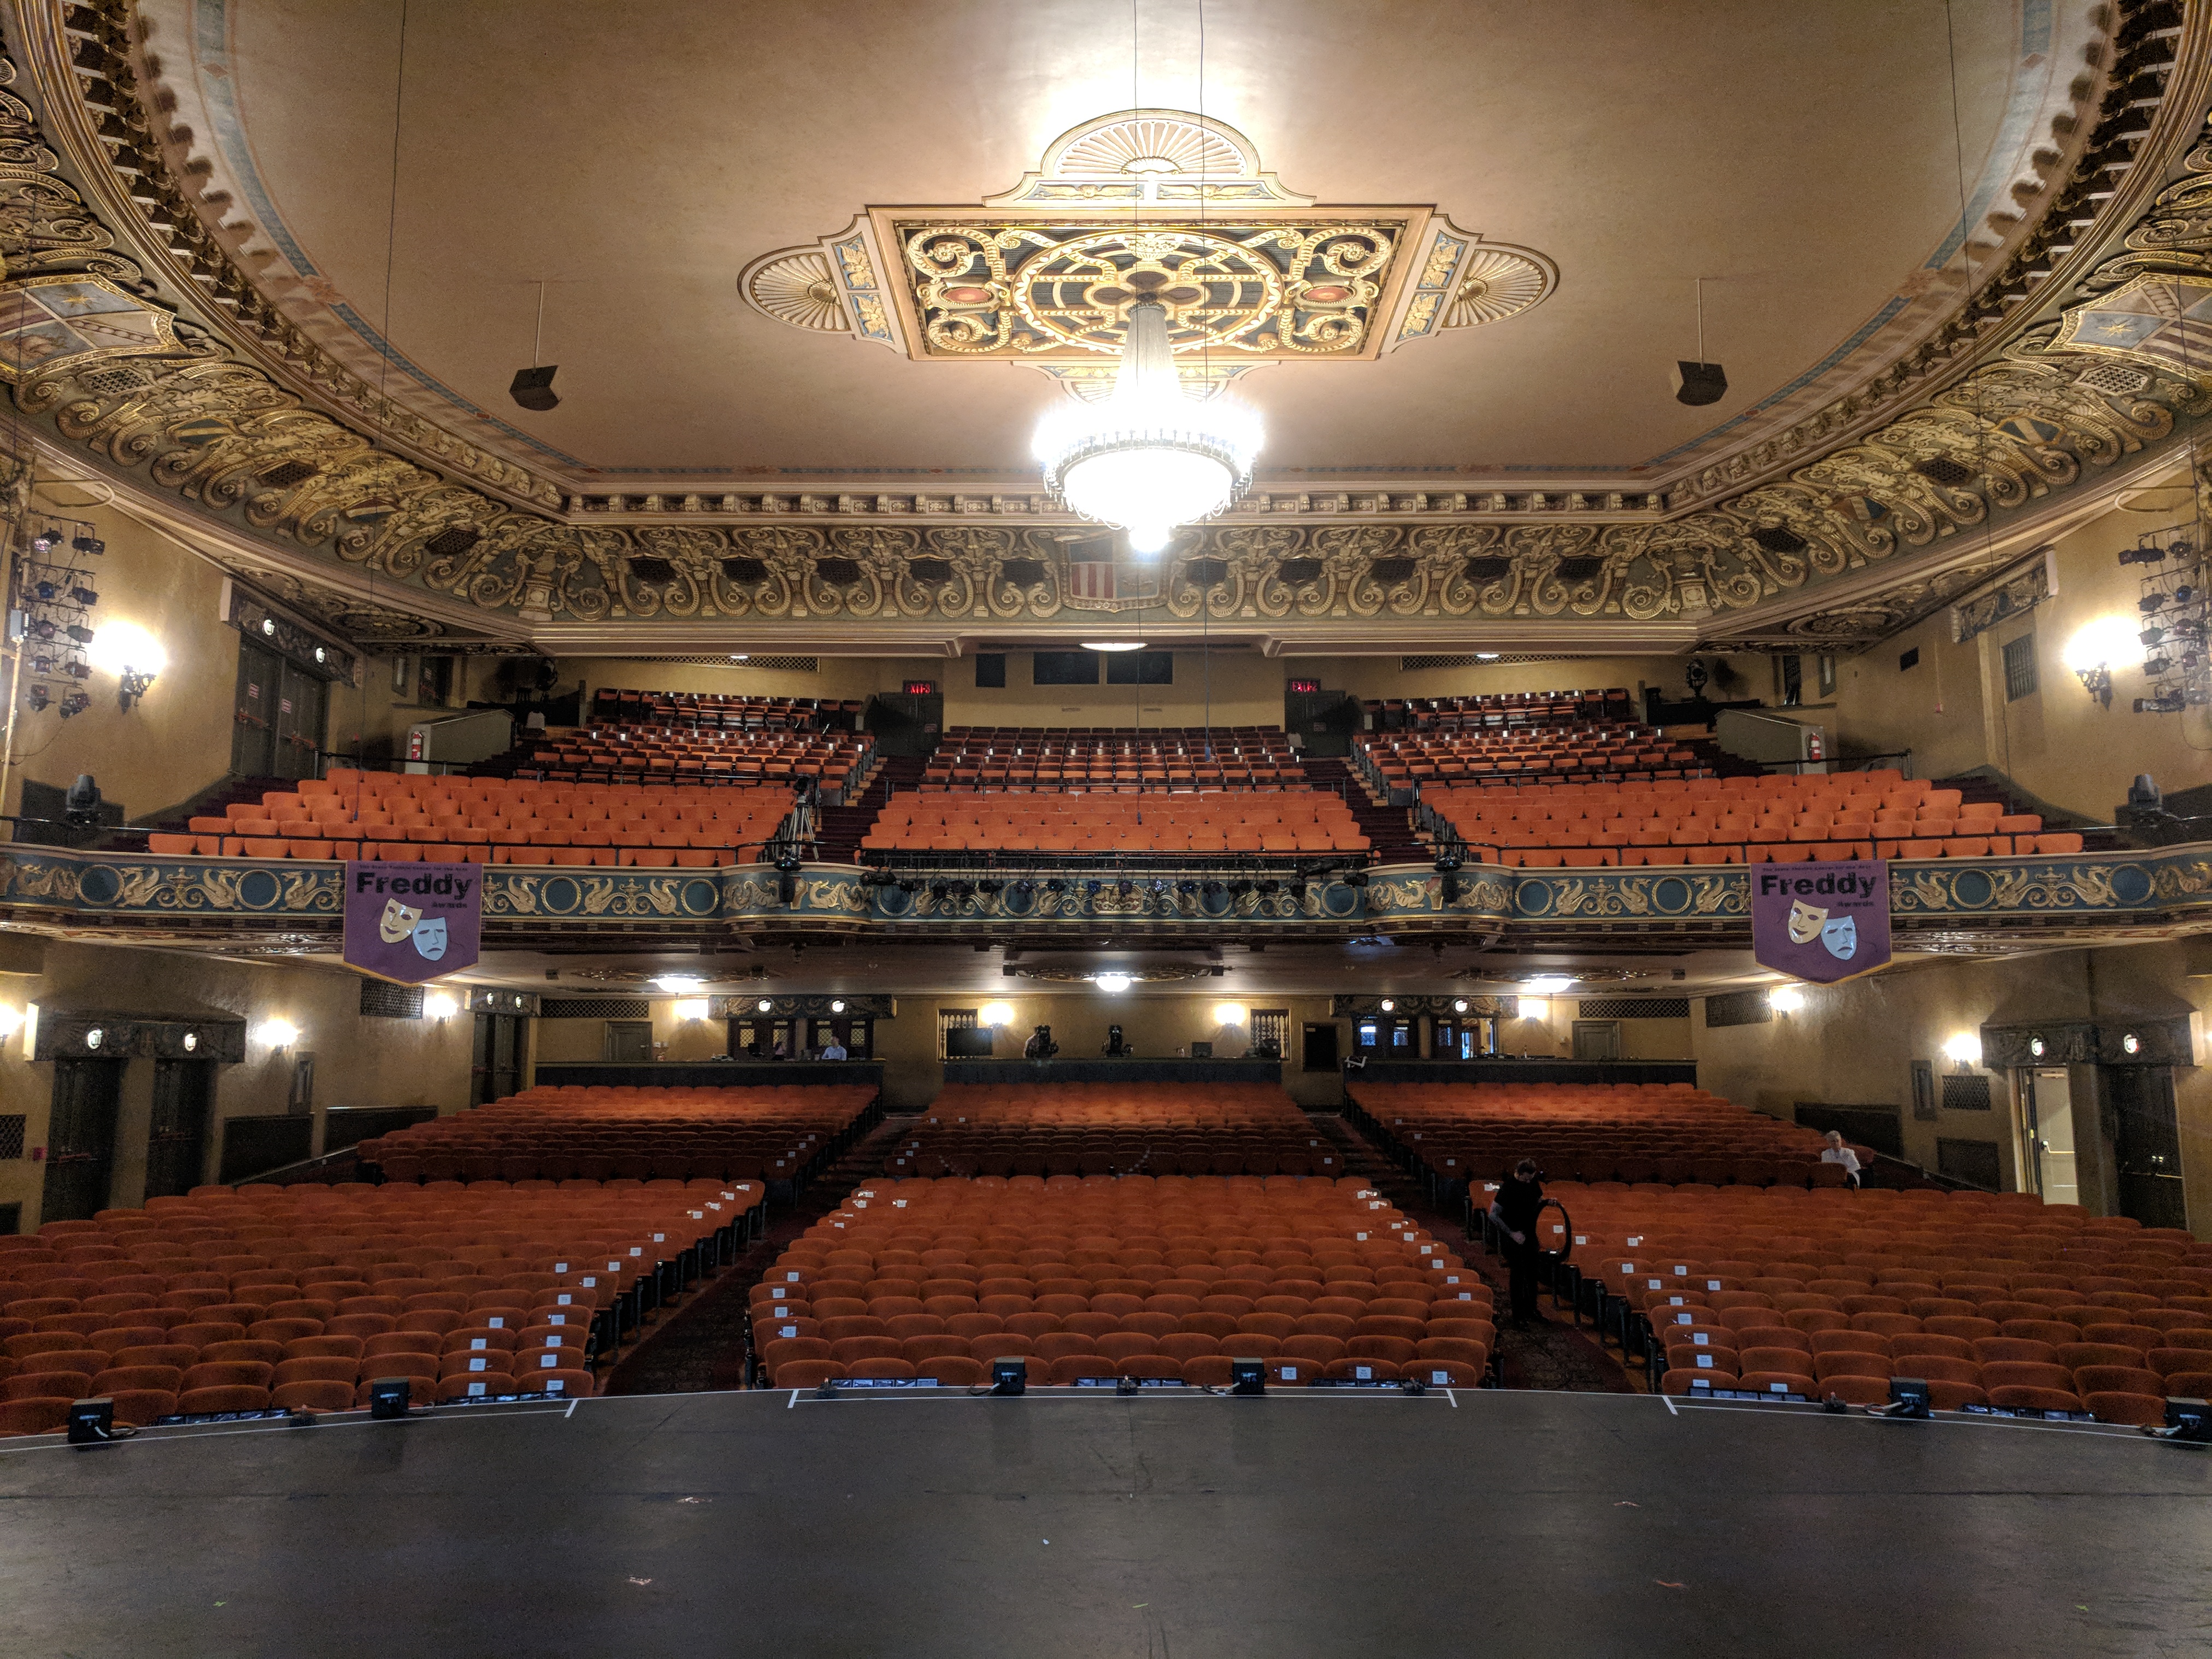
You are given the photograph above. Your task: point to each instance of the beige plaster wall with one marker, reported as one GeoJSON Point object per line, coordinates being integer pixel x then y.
{"type": "Point", "coordinates": [1854, 1044]}
{"type": "Point", "coordinates": [358, 1061]}
{"type": "Point", "coordinates": [174, 742]}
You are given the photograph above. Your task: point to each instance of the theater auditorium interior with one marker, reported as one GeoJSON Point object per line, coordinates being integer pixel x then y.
{"type": "Point", "coordinates": [1483, 923]}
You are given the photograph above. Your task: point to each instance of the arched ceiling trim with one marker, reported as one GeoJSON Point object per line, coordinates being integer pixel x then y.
{"type": "Point", "coordinates": [225, 410]}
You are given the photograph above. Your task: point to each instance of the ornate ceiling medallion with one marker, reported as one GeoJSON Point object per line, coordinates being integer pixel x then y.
{"type": "Point", "coordinates": [1179, 212]}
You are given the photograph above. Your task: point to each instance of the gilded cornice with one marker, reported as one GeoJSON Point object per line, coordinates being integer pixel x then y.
{"type": "Point", "coordinates": [241, 422]}
{"type": "Point", "coordinates": [1961, 906]}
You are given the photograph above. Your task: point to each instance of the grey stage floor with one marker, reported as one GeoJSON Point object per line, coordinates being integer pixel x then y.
{"type": "Point", "coordinates": [1171, 1527]}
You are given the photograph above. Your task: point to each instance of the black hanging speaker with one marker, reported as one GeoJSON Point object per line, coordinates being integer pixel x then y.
{"type": "Point", "coordinates": [1694, 383]}
{"type": "Point", "coordinates": [534, 387]}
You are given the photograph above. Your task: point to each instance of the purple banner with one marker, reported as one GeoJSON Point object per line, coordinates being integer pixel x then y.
{"type": "Point", "coordinates": [410, 923]}
{"type": "Point", "coordinates": [1820, 922]}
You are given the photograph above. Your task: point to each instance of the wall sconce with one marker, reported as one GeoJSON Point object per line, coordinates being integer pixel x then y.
{"type": "Point", "coordinates": [10, 1019]}
{"type": "Point", "coordinates": [1230, 1013]}
{"type": "Point", "coordinates": [996, 1015]}
{"type": "Point", "coordinates": [278, 1034]}
{"type": "Point", "coordinates": [1785, 1000]}
{"type": "Point", "coordinates": [691, 1008]}
{"type": "Point", "coordinates": [2099, 647]}
{"type": "Point", "coordinates": [134, 656]}
{"type": "Point", "coordinates": [1964, 1051]}
{"type": "Point", "coordinates": [438, 1005]}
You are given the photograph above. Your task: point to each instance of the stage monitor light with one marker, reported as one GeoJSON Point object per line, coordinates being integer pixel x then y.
{"type": "Point", "coordinates": [1248, 1376]}
{"type": "Point", "coordinates": [1010, 1376]}
{"type": "Point", "coordinates": [1908, 1398]}
{"type": "Point", "coordinates": [2187, 1420]}
{"type": "Point", "coordinates": [92, 1422]}
{"type": "Point", "coordinates": [387, 1397]}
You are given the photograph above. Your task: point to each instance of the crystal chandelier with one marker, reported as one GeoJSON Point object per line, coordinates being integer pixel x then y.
{"type": "Point", "coordinates": [1148, 457]}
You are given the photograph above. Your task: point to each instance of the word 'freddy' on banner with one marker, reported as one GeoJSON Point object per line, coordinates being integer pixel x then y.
{"type": "Point", "coordinates": [1820, 922]}
{"type": "Point", "coordinates": [410, 923]}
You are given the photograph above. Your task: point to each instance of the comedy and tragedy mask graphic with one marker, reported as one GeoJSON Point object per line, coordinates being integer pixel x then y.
{"type": "Point", "coordinates": [397, 922]}
{"type": "Point", "coordinates": [1841, 938]}
{"type": "Point", "coordinates": [430, 938]}
{"type": "Point", "coordinates": [1805, 921]}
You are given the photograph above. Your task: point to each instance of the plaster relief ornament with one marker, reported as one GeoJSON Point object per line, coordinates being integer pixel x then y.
{"type": "Point", "coordinates": [1149, 206]}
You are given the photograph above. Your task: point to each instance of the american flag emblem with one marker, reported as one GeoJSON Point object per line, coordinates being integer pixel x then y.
{"type": "Point", "coordinates": [1088, 579]}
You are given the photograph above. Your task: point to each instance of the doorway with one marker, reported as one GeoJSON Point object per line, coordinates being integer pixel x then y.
{"type": "Point", "coordinates": [1321, 1045]}
{"type": "Point", "coordinates": [629, 1041]}
{"type": "Point", "coordinates": [2046, 1135]}
{"type": "Point", "coordinates": [2146, 1144]}
{"type": "Point", "coordinates": [80, 1140]}
{"type": "Point", "coordinates": [1597, 1039]}
{"type": "Point", "coordinates": [277, 717]}
{"type": "Point", "coordinates": [1324, 720]}
{"type": "Point", "coordinates": [906, 723]}
{"type": "Point", "coordinates": [176, 1142]}
{"type": "Point", "coordinates": [496, 1060]}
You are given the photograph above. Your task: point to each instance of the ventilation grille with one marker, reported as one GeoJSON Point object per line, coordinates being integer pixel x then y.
{"type": "Point", "coordinates": [1485, 568]}
{"type": "Point", "coordinates": [1738, 1008]}
{"type": "Point", "coordinates": [654, 573]}
{"type": "Point", "coordinates": [447, 543]}
{"type": "Point", "coordinates": [1944, 470]}
{"type": "Point", "coordinates": [838, 572]}
{"type": "Point", "coordinates": [1775, 540]}
{"type": "Point", "coordinates": [1581, 570]}
{"type": "Point", "coordinates": [1406, 665]}
{"type": "Point", "coordinates": [930, 570]}
{"type": "Point", "coordinates": [11, 1135]}
{"type": "Point", "coordinates": [1298, 572]}
{"type": "Point", "coordinates": [745, 573]}
{"type": "Point", "coordinates": [595, 1008]}
{"type": "Point", "coordinates": [381, 1000]}
{"type": "Point", "coordinates": [1636, 1008]}
{"type": "Point", "coordinates": [285, 474]}
{"type": "Point", "coordinates": [1966, 1093]}
{"type": "Point", "coordinates": [1208, 572]}
{"type": "Point", "coordinates": [1022, 572]}
{"type": "Point", "coordinates": [779, 664]}
{"type": "Point", "coordinates": [1391, 572]}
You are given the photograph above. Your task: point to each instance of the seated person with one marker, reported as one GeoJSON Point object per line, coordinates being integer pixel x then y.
{"type": "Point", "coordinates": [1836, 1153]}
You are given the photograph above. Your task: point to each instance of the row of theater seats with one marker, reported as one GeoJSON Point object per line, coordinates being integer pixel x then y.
{"type": "Point", "coordinates": [591, 1132]}
{"type": "Point", "coordinates": [1500, 708]}
{"type": "Point", "coordinates": [1787, 819]}
{"type": "Point", "coordinates": [732, 711]}
{"type": "Point", "coordinates": [1041, 758]}
{"type": "Point", "coordinates": [683, 754]}
{"type": "Point", "coordinates": [1996, 1299]}
{"type": "Point", "coordinates": [1288, 822]}
{"type": "Point", "coordinates": [1113, 1129]}
{"type": "Point", "coordinates": [409, 819]}
{"type": "Point", "coordinates": [1651, 1133]}
{"type": "Point", "coordinates": [297, 1298]}
{"type": "Point", "coordinates": [1164, 1279]}
{"type": "Point", "coordinates": [1603, 751]}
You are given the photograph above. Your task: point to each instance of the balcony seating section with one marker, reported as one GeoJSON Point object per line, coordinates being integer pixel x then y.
{"type": "Point", "coordinates": [602, 1131]}
{"type": "Point", "coordinates": [281, 1296]}
{"type": "Point", "coordinates": [1594, 751]}
{"type": "Point", "coordinates": [1994, 1299]}
{"type": "Point", "coordinates": [452, 820]}
{"type": "Point", "coordinates": [1164, 1279]}
{"type": "Point", "coordinates": [683, 754]}
{"type": "Point", "coordinates": [1638, 1132]}
{"type": "Point", "coordinates": [1113, 1129]}
{"type": "Point", "coordinates": [1501, 708]}
{"type": "Point", "coordinates": [1242, 824]}
{"type": "Point", "coordinates": [1109, 758]}
{"type": "Point", "coordinates": [1780, 820]}
{"type": "Point", "coordinates": [728, 711]}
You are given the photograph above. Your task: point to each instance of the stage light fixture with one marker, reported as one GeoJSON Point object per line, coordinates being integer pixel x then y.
{"type": "Point", "coordinates": [84, 596]}
{"type": "Point", "coordinates": [1010, 1376]}
{"type": "Point", "coordinates": [45, 540]}
{"type": "Point", "coordinates": [2187, 1421]}
{"type": "Point", "coordinates": [88, 545]}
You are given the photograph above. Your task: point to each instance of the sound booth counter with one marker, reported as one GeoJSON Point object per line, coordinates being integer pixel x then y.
{"type": "Point", "coordinates": [710, 1074]}
{"type": "Point", "coordinates": [1098, 1068]}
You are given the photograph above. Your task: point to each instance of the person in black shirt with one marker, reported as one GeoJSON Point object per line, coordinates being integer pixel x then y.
{"type": "Point", "coordinates": [1514, 1210]}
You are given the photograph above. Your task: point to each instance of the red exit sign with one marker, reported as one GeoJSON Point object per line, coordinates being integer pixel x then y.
{"type": "Point", "coordinates": [921, 687]}
{"type": "Point", "coordinates": [1305, 685]}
